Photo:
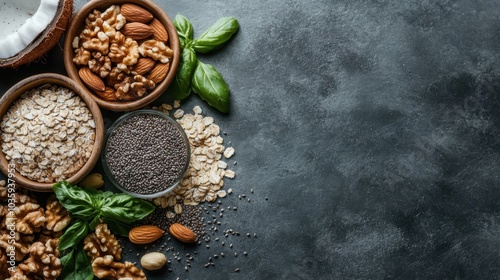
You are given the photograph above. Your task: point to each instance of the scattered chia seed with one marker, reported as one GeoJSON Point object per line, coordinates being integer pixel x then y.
{"type": "Point", "coordinates": [146, 153]}
{"type": "Point", "coordinates": [189, 217]}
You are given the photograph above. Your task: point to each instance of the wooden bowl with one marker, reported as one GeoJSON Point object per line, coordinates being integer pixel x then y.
{"type": "Point", "coordinates": [56, 79]}
{"type": "Point", "coordinates": [76, 26]}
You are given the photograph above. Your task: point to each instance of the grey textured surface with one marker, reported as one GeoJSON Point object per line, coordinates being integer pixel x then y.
{"type": "Point", "coordinates": [372, 128]}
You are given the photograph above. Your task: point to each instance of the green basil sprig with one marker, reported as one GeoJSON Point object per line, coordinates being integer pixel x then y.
{"type": "Point", "coordinates": [87, 207]}
{"type": "Point", "coordinates": [199, 77]}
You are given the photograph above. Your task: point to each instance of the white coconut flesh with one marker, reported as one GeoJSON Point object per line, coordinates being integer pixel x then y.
{"type": "Point", "coordinates": [22, 22]}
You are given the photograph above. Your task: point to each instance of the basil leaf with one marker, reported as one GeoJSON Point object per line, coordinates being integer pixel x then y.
{"type": "Point", "coordinates": [180, 88]}
{"type": "Point", "coordinates": [211, 87]}
{"type": "Point", "coordinates": [76, 265]}
{"type": "Point", "coordinates": [76, 232]}
{"type": "Point", "coordinates": [68, 260]}
{"type": "Point", "coordinates": [216, 35]}
{"type": "Point", "coordinates": [184, 27]}
{"type": "Point", "coordinates": [117, 227]}
{"type": "Point", "coordinates": [125, 208]}
{"type": "Point", "coordinates": [77, 201]}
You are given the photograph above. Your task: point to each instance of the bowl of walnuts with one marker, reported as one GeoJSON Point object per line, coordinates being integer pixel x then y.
{"type": "Point", "coordinates": [124, 53]}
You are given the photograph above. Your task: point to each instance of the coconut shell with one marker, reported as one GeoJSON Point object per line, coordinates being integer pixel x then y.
{"type": "Point", "coordinates": [45, 40]}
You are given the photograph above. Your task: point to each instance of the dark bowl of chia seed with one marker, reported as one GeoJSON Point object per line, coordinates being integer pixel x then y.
{"type": "Point", "coordinates": [146, 153]}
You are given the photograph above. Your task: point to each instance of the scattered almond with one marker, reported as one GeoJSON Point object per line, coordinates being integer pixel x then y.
{"type": "Point", "coordinates": [159, 72]}
{"type": "Point", "coordinates": [134, 13]}
{"type": "Point", "coordinates": [182, 233]}
{"type": "Point", "coordinates": [145, 234]}
{"type": "Point", "coordinates": [91, 80]}
{"type": "Point", "coordinates": [159, 31]}
{"type": "Point", "coordinates": [137, 30]}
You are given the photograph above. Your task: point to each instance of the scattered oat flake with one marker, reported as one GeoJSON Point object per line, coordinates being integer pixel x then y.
{"type": "Point", "coordinates": [177, 104]}
{"type": "Point", "coordinates": [167, 107]}
{"type": "Point", "coordinates": [229, 173]}
{"type": "Point", "coordinates": [170, 215]}
{"type": "Point", "coordinates": [221, 193]}
{"type": "Point", "coordinates": [197, 110]}
{"type": "Point", "coordinates": [229, 152]}
{"type": "Point", "coordinates": [179, 113]}
{"type": "Point", "coordinates": [222, 164]}
{"type": "Point", "coordinates": [178, 209]}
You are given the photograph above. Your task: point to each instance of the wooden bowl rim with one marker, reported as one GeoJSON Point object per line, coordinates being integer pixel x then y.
{"type": "Point", "coordinates": [31, 82]}
{"type": "Point", "coordinates": [76, 25]}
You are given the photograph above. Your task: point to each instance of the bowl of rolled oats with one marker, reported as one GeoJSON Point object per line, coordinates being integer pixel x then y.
{"type": "Point", "coordinates": [123, 53]}
{"type": "Point", "coordinates": [50, 130]}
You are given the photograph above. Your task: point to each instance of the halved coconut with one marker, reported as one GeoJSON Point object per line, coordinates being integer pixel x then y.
{"type": "Point", "coordinates": [30, 28]}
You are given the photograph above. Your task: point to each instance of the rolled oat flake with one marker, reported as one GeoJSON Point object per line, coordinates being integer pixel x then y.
{"type": "Point", "coordinates": [146, 154]}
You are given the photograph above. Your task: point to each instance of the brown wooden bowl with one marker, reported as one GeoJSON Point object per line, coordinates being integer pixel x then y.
{"type": "Point", "coordinates": [76, 26]}
{"type": "Point", "coordinates": [33, 82]}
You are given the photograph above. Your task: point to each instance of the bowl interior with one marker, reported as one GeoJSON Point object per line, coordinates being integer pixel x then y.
{"type": "Point", "coordinates": [116, 124]}
{"type": "Point", "coordinates": [76, 26]}
{"type": "Point", "coordinates": [56, 79]}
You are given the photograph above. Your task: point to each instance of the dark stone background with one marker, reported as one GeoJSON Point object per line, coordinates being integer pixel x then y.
{"type": "Point", "coordinates": [371, 127]}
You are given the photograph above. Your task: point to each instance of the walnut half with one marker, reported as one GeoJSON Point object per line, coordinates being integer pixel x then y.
{"type": "Point", "coordinates": [102, 242]}
{"type": "Point", "coordinates": [57, 217]}
{"type": "Point", "coordinates": [106, 268]}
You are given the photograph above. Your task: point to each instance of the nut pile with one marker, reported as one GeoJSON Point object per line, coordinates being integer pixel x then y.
{"type": "Point", "coordinates": [35, 237]}
{"type": "Point", "coordinates": [204, 178]}
{"type": "Point", "coordinates": [122, 52]}
{"type": "Point", "coordinates": [48, 134]}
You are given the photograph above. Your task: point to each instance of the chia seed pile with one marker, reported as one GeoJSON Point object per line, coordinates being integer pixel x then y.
{"type": "Point", "coordinates": [146, 153]}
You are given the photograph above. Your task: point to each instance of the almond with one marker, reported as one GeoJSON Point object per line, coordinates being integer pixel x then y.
{"type": "Point", "coordinates": [90, 79]}
{"type": "Point", "coordinates": [182, 233]}
{"type": "Point", "coordinates": [137, 30]}
{"type": "Point", "coordinates": [145, 234]}
{"type": "Point", "coordinates": [108, 94]}
{"type": "Point", "coordinates": [134, 13]}
{"type": "Point", "coordinates": [159, 31]}
{"type": "Point", "coordinates": [143, 66]}
{"type": "Point", "coordinates": [159, 72]}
